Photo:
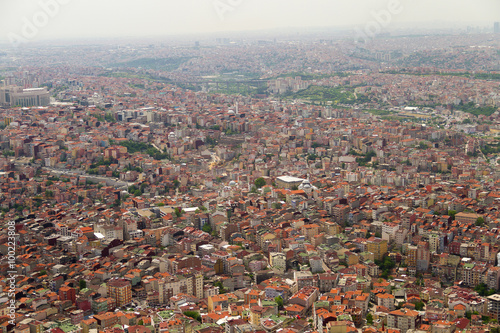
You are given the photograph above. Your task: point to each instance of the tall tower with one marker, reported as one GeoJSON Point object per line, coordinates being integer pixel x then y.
{"type": "Point", "coordinates": [120, 291]}
{"type": "Point", "coordinates": [496, 27]}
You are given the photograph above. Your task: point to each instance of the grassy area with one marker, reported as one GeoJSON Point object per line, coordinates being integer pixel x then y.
{"type": "Point", "coordinates": [487, 76]}
{"type": "Point", "coordinates": [379, 112]}
{"type": "Point", "coordinates": [132, 75]}
{"type": "Point", "coordinates": [469, 108]}
{"type": "Point", "coordinates": [481, 110]}
{"type": "Point", "coordinates": [479, 76]}
{"type": "Point", "coordinates": [310, 76]}
{"type": "Point", "coordinates": [239, 76]}
{"type": "Point", "coordinates": [159, 64]}
{"type": "Point", "coordinates": [337, 95]}
{"type": "Point", "coordinates": [397, 117]}
{"type": "Point", "coordinates": [126, 75]}
{"type": "Point", "coordinates": [189, 86]}
{"type": "Point", "coordinates": [227, 88]}
{"type": "Point", "coordinates": [137, 86]}
{"type": "Point", "coordinates": [8, 69]}
{"type": "Point", "coordinates": [241, 88]}
{"type": "Point", "coordinates": [133, 147]}
{"type": "Point", "coordinates": [491, 148]}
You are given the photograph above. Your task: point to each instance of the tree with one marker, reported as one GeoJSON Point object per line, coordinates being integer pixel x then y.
{"type": "Point", "coordinates": [207, 228]}
{"type": "Point", "coordinates": [422, 145]}
{"type": "Point", "coordinates": [259, 182]}
{"type": "Point", "coordinates": [312, 157]}
{"type": "Point", "coordinates": [193, 314]}
{"type": "Point", "coordinates": [369, 319]}
{"type": "Point", "coordinates": [219, 284]}
{"type": "Point", "coordinates": [279, 301]}
{"type": "Point", "coordinates": [468, 315]}
{"type": "Point", "coordinates": [277, 205]}
{"type": "Point", "coordinates": [452, 214]}
{"type": "Point", "coordinates": [419, 306]}
{"type": "Point", "coordinates": [482, 290]}
{"type": "Point", "coordinates": [82, 284]}
{"type": "Point", "coordinates": [480, 221]}
{"type": "Point", "coordinates": [43, 272]}
{"type": "Point", "coordinates": [132, 189]}
{"type": "Point", "coordinates": [178, 212]}
{"type": "Point", "coordinates": [385, 265]}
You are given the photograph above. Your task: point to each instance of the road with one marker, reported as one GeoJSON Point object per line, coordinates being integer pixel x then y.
{"type": "Point", "coordinates": [156, 147]}
{"type": "Point", "coordinates": [71, 173]}
{"type": "Point", "coordinates": [109, 181]}
{"type": "Point", "coordinates": [215, 160]}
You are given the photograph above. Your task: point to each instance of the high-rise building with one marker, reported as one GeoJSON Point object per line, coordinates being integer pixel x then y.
{"type": "Point", "coordinates": [494, 306]}
{"type": "Point", "coordinates": [496, 27]}
{"type": "Point", "coordinates": [121, 291]}
{"type": "Point", "coordinates": [411, 256]}
{"type": "Point", "coordinates": [377, 246]}
{"type": "Point", "coordinates": [423, 256]}
{"type": "Point", "coordinates": [67, 294]}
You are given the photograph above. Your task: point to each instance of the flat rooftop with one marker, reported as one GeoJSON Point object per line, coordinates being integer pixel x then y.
{"type": "Point", "coordinates": [290, 179]}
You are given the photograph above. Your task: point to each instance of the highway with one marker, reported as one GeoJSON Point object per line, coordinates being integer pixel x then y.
{"type": "Point", "coordinates": [115, 182]}
{"type": "Point", "coordinates": [109, 181]}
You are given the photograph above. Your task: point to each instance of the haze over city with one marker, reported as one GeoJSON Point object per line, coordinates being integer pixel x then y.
{"type": "Point", "coordinates": [78, 19]}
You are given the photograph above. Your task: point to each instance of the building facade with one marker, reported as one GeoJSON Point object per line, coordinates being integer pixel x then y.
{"type": "Point", "coordinates": [17, 96]}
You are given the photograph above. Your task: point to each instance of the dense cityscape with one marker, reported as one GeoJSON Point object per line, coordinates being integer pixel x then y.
{"type": "Point", "coordinates": [291, 184]}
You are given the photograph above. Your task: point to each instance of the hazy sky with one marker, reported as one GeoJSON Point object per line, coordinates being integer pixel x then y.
{"type": "Point", "coordinates": [124, 18]}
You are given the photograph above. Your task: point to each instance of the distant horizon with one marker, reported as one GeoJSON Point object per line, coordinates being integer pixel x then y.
{"type": "Point", "coordinates": [336, 32]}
{"type": "Point", "coordinates": [56, 20]}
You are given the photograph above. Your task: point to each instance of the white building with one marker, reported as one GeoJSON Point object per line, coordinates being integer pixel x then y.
{"type": "Point", "coordinates": [277, 260]}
